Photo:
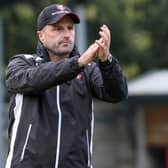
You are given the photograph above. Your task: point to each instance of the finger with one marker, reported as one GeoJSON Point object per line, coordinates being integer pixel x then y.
{"type": "Point", "coordinates": [100, 40]}
{"type": "Point", "coordinates": [93, 48]}
{"type": "Point", "coordinates": [106, 29]}
{"type": "Point", "coordinates": [104, 37]}
{"type": "Point", "coordinates": [105, 33]}
{"type": "Point", "coordinates": [100, 44]}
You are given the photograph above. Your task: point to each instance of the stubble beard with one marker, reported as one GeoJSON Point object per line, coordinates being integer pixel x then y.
{"type": "Point", "coordinates": [60, 51]}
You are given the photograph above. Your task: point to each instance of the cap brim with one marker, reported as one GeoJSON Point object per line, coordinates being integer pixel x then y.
{"type": "Point", "coordinates": [58, 18]}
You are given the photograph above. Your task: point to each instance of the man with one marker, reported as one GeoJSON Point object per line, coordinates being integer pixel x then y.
{"type": "Point", "coordinates": [51, 115]}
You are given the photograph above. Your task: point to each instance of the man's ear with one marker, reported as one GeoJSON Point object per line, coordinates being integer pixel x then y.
{"type": "Point", "coordinates": [40, 36]}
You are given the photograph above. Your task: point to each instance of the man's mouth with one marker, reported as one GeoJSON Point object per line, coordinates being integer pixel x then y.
{"type": "Point", "coordinates": [66, 42]}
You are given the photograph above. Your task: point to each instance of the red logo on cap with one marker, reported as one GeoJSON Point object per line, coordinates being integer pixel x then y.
{"type": "Point", "coordinates": [60, 7]}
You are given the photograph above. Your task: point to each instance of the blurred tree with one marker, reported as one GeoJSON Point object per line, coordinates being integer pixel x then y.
{"type": "Point", "coordinates": [19, 29]}
{"type": "Point", "coordinates": [148, 33]}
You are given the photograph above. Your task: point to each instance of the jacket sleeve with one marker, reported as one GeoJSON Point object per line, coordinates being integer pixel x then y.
{"type": "Point", "coordinates": [24, 77]}
{"type": "Point", "coordinates": [108, 82]}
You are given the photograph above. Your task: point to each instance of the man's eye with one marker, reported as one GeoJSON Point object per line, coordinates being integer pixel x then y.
{"type": "Point", "coordinates": [57, 28]}
{"type": "Point", "coordinates": [70, 28]}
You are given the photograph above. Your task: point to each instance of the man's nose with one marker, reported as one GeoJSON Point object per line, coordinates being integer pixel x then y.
{"type": "Point", "coordinates": [66, 33]}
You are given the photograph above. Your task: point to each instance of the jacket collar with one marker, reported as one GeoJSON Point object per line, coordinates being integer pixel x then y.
{"type": "Point", "coordinates": [42, 52]}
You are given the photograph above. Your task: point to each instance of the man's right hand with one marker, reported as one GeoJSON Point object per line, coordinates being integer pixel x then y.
{"type": "Point", "coordinates": [89, 55]}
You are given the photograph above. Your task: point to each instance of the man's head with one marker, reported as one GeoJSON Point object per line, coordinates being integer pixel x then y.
{"type": "Point", "coordinates": [53, 14]}
{"type": "Point", "coordinates": [56, 30]}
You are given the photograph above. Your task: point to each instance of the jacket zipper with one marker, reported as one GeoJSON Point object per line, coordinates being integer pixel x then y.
{"type": "Point", "coordinates": [88, 148]}
{"type": "Point", "coordinates": [59, 126]}
{"type": "Point", "coordinates": [90, 142]}
{"type": "Point", "coordinates": [26, 141]}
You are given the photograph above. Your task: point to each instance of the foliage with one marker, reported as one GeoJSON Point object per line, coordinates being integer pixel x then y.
{"type": "Point", "coordinates": [139, 29]}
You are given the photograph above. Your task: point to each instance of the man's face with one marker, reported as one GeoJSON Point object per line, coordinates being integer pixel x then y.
{"type": "Point", "coordinates": [59, 38]}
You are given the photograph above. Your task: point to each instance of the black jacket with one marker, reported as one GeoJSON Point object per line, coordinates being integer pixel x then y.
{"type": "Point", "coordinates": [51, 116]}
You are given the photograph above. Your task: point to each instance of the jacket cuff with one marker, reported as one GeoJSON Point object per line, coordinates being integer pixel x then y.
{"type": "Point", "coordinates": [74, 64]}
{"type": "Point", "coordinates": [108, 64]}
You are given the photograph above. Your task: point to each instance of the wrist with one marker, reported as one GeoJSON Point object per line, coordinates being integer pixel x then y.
{"type": "Point", "coordinates": [80, 62]}
{"type": "Point", "coordinates": [108, 58]}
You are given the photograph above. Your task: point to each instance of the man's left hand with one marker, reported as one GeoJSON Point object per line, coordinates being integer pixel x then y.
{"type": "Point", "coordinates": [104, 43]}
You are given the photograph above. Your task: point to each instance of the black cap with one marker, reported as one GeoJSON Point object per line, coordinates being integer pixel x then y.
{"type": "Point", "coordinates": [54, 13]}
